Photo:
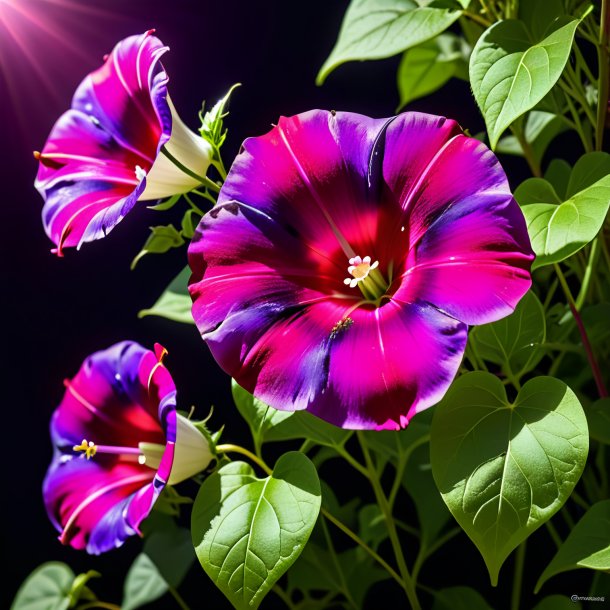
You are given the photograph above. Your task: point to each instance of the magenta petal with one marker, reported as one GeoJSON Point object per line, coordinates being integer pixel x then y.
{"type": "Point", "coordinates": [93, 164]}
{"type": "Point", "coordinates": [120, 397]}
{"type": "Point", "coordinates": [293, 173]}
{"type": "Point", "coordinates": [390, 364]}
{"type": "Point", "coordinates": [470, 252]}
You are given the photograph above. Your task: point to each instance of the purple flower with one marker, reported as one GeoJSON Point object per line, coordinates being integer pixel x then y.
{"type": "Point", "coordinates": [346, 257]}
{"type": "Point", "coordinates": [117, 442]}
{"type": "Point", "coordinates": [114, 147]}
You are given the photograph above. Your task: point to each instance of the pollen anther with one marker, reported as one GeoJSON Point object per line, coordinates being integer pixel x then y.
{"type": "Point", "coordinates": [359, 268]}
{"type": "Point", "coordinates": [90, 448]}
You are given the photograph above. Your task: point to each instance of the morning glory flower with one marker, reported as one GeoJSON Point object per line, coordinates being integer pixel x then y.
{"type": "Point", "coordinates": [121, 142]}
{"type": "Point", "coordinates": [118, 441]}
{"type": "Point", "coordinates": [346, 258]}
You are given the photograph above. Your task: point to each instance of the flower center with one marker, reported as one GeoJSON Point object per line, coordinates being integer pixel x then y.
{"type": "Point", "coordinates": [366, 275]}
{"type": "Point", "coordinates": [148, 454]}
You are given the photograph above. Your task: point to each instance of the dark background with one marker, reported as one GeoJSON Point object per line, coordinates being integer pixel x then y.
{"type": "Point", "coordinates": [57, 311]}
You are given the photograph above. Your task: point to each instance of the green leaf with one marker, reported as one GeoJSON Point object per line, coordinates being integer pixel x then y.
{"type": "Point", "coordinates": [247, 531]}
{"type": "Point", "coordinates": [587, 546]}
{"type": "Point", "coordinates": [260, 417]}
{"type": "Point", "coordinates": [172, 553]}
{"type": "Point", "coordinates": [48, 587]}
{"type": "Point", "coordinates": [504, 468]}
{"type": "Point", "coordinates": [559, 231]}
{"type": "Point", "coordinates": [515, 342]}
{"type": "Point", "coordinates": [143, 583]}
{"type": "Point", "coordinates": [166, 204]}
{"type": "Point", "coordinates": [372, 526]}
{"type": "Point", "coordinates": [428, 66]}
{"type": "Point", "coordinates": [588, 170]}
{"type": "Point", "coordinates": [511, 72]}
{"type": "Point", "coordinates": [598, 416]}
{"type": "Point", "coordinates": [540, 129]}
{"type": "Point", "coordinates": [175, 303]}
{"type": "Point", "coordinates": [459, 598]}
{"type": "Point", "coordinates": [162, 239]}
{"type": "Point", "coordinates": [189, 223]}
{"type": "Point", "coordinates": [558, 602]}
{"type": "Point", "coordinates": [536, 190]}
{"type": "Point", "coordinates": [558, 174]}
{"type": "Point", "coordinates": [269, 424]}
{"type": "Point", "coordinates": [538, 15]}
{"type": "Point", "coordinates": [374, 29]}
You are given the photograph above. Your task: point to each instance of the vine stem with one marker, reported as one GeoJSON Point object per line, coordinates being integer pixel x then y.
{"type": "Point", "coordinates": [586, 280]}
{"type": "Point", "coordinates": [98, 604]}
{"type": "Point", "coordinates": [602, 85]}
{"type": "Point", "coordinates": [407, 580]}
{"type": "Point", "coordinates": [230, 448]}
{"type": "Point", "coordinates": [518, 576]}
{"type": "Point", "coordinates": [174, 593]}
{"type": "Point", "coordinates": [202, 179]}
{"type": "Point", "coordinates": [528, 152]}
{"type": "Point", "coordinates": [597, 374]}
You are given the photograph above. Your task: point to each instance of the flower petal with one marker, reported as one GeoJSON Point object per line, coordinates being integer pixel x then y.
{"type": "Point", "coordinates": [389, 364]}
{"type": "Point", "coordinates": [110, 401]}
{"type": "Point", "coordinates": [311, 175]}
{"type": "Point", "coordinates": [470, 253]}
{"type": "Point", "coordinates": [92, 164]}
{"type": "Point", "coordinates": [86, 500]}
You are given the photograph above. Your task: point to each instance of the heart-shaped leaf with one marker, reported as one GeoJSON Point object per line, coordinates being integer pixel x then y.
{"type": "Point", "coordinates": [504, 468]}
{"type": "Point", "coordinates": [175, 303]}
{"type": "Point", "coordinates": [559, 231]}
{"type": "Point", "coordinates": [374, 29]}
{"type": "Point", "coordinates": [48, 587]}
{"type": "Point", "coordinates": [510, 71]}
{"type": "Point", "coordinates": [143, 583]}
{"type": "Point", "coordinates": [587, 546]}
{"type": "Point", "coordinates": [515, 342]}
{"type": "Point", "coordinates": [247, 531]}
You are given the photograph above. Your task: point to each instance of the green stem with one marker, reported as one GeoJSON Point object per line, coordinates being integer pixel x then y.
{"type": "Point", "coordinates": [602, 85]}
{"type": "Point", "coordinates": [205, 195]}
{"type": "Point", "coordinates": [193, 205]}
{"type": "Point", "coordinates": [577, 122]}
{"type": "Point", "coordinates": [586, 280]}
{"type": "Point", "coordinates": [98, 604]}
{"type": "Point", "coordinates": [576, 90]}
{"type": "Point", "coordinates": [477, 19]}
{"type": "Point", "coordinates": [202, 179]}
{"type": "Point", "coordinates": [344, 588]}
{"type": "Point", "coordinates": [518, 576]}
{"type": "Point", "coordinates": [578, 499]}
{"type": "Point", "coordinates": [230, 448]}
{"type": "Point", "coordinates": [174, 593]}
{"type": "Point", "coordinates": [597, 374]}
{"type": "Point", "coordinates": [402, 463]}
{"type": "Point", "coordinates": [528, 152]}
{"type": "Point", "coordinates": [348, 532]}
{"type": "Point", "coordinates": [489, 10]}
{"type": "Point", "coordinates": [408, 582]}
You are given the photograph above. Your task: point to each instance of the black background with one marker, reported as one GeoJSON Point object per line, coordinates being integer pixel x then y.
{"type": "Point", "coordinates": [57, 311]}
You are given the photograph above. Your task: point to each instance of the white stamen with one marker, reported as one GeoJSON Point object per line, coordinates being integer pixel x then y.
{"type": "Point", "coordinates": [359, 268]}
{"type": "Point", "coordinates": [140, 173]}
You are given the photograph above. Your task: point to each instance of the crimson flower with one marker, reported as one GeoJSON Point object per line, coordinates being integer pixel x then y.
{"type": "Point", "coordinates": [117, 442]}
{"type": "Point", "coordinates": [346, 258]}
{"type": "Point", "coordinates": [121, 142]}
